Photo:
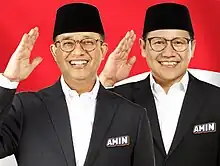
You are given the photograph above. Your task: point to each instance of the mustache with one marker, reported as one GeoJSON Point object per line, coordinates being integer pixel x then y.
{"type": "Point", "coordinates": [86, 55]}
{"type": "Point", "coordinates": [162, 58]}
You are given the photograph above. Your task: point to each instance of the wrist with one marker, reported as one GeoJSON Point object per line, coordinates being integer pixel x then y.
{"type": "Point", "coordinates": [106, 80]}
{"type": "Point", "coordinates": [10, 78]}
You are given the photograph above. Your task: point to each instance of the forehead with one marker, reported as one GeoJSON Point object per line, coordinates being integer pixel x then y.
{"type": "Point", "coordinates": [168, 33]}
{"type": "Point", "coordinates": [78, 35]}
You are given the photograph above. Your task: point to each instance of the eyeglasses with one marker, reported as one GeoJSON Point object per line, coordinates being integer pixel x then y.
{"type": "Point", "coordinates": [87, 44]}
{"type": "Point", "coordinates": [179, 44]}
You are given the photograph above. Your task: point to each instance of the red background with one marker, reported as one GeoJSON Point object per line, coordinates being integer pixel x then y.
{"type": "Point", "coordinates": [118, 17]}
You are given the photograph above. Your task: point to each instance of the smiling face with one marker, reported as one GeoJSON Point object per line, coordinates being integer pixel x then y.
{"type": "Point", "coordinates": [167, 65]}
{"type": "Point", "coordinates": [74, 56]}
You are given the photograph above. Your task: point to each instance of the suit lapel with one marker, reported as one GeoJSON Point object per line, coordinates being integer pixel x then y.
{"type": "Point", "coordinates": [58, 111]}
{"type": "Point", "coordinates": [191, 107]}
{"type": "Point", "coordinates": [143, 89]}
{"type": "Point", "coordinates": [105, 111]}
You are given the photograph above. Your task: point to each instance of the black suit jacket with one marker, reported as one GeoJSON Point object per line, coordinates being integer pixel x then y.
{"type": "Point", "coordinates": [201, 105]}
{"type": "Point", "coordinates": [36, 128]}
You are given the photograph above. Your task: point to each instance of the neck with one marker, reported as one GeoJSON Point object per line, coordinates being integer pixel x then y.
{"type": "Point", "coordinates": [80, 86]}
{"type": "Point", "coordinates": [167, 83]}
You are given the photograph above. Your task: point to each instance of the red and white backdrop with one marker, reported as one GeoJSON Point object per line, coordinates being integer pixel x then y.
{"type": "Point", "coordinates": [118, 17]}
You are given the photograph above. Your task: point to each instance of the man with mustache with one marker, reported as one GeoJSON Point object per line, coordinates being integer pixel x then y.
{"type": "Point", "coordinates": [183, 111]}
{"type": "Point", "coordinates": [75, 122]}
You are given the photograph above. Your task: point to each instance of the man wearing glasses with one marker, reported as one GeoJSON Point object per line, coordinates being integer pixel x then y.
{"type": "Point", "coordinates": [183, 111]}
{"type": "Point", "coordinates": [75, 122]}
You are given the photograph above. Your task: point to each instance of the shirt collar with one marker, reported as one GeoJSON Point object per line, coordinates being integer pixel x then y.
{"type": "Point", "coordinates": [182, 84]}
{"type": "Point", "coordinates": [69, 93]}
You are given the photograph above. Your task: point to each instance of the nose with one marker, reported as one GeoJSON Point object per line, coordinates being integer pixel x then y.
{"type": "Point", "coordinates": [168, 51]}
{"type": "Point", "coordinates": [78, 50]}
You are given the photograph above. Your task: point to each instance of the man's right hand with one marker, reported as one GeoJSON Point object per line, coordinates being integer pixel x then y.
{"type": "Point", "coordinates": [19, 66]}
{"type": "Point", "coordinates": [118, 66]}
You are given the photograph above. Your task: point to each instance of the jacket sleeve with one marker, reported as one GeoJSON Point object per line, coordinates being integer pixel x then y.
{"type": "Point", "coordinates": [143, 150]}
{"type": "Point", "coordinates": [10, 121]}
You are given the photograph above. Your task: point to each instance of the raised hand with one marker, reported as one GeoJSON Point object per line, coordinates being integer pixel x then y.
{"type": "Point", "coordinates": [19, 66]}
{"type": "Point", "coordinates": [118, 66]}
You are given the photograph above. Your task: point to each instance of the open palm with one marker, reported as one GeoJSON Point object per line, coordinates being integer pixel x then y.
{"type": "Point", "coordinates": [118, 66]}
{"type": "Point", "coordinates": [19, 66]}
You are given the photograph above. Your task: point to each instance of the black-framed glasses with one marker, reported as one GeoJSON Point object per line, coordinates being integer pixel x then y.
{"type": "Point", "coordinates": [179, 44]}
{"type": "Point", "coordinates": [87, 44]}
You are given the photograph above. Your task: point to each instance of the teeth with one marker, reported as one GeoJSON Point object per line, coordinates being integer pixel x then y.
{"type": "Point", "coordinates": [168, 63]}
{"type": "Point", "coordinates": [78, 62]}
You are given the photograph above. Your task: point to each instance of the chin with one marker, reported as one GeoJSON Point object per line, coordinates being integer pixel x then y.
{"type": "Point", "coordinates": [170, 76]}
{"type": "Point", "coordinates": [79, 77]}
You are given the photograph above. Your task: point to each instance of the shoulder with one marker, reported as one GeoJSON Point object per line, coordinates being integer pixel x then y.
{"type": "Point", "coordinates": [35, 97]}
{"type": "Point", "coordinates": [209, 93]}
{"type": "Point", "coordinates": [132, 84]}
{"type": "Point", "coordinates": [207, 87]}
{"type": "Point", "coordinates": [125, 104]}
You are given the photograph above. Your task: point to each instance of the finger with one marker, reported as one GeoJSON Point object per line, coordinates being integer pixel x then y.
{"type": "Point", "coordinates": [26, 44]}
{"type": "Point", "coordinates": [18, 52]}
{"type": "Point", "coordinates": [128, 47]}
{"type": "Point", "coordinates": [35, 34]}
{"type": "Point", "coordinates": [127, 67]}
{"type": "Point", "coordinates": [130, 44]}
{"type": "Point", "coordinates": [134, 37]}
{"type": "Point", "coordinates": [131, 61]}
{"type": "Point", "coordinates": [128, 35]}
{"type": "Point", "coordinates": [32, 37]}
{"type": "Point", "coordinates": [125, 50]}
{"type": "Point", "coordinates": [124, 54]}
{"type": "Point", "coordinates": [132, 34]}
{"type": "Point", "coordinates": [22, 44]}
{"type": "Point", "coordinates": [32, 34]}
{"type": "Point", "coordinates": [35, 62]}
{"type": "Point", "coordinates": [130, 40]}
{"type": "Point", "coordinates": [124, 46]}
{"type": "Point", "coordinates": [29, 39]}
{"type": "Point", "coordinates": [122, 43]}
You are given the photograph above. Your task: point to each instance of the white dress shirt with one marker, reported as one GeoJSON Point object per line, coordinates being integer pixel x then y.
{"type": "Point", "coordinates": [168, 107]}
{"type": "Point", "coordinates": [6, 83]}
{"type": "Point", "coordinates": [81, 112]}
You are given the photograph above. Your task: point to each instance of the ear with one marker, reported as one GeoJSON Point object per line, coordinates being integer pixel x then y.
{"type": "Point", "coordinates": [104, 49]}
{"type": "Point", "coordinates": [193, 46]}
{"type": "Point", "coordinates": [142, 44]}
{"type": "Point", "coordinates": [53, 51]}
